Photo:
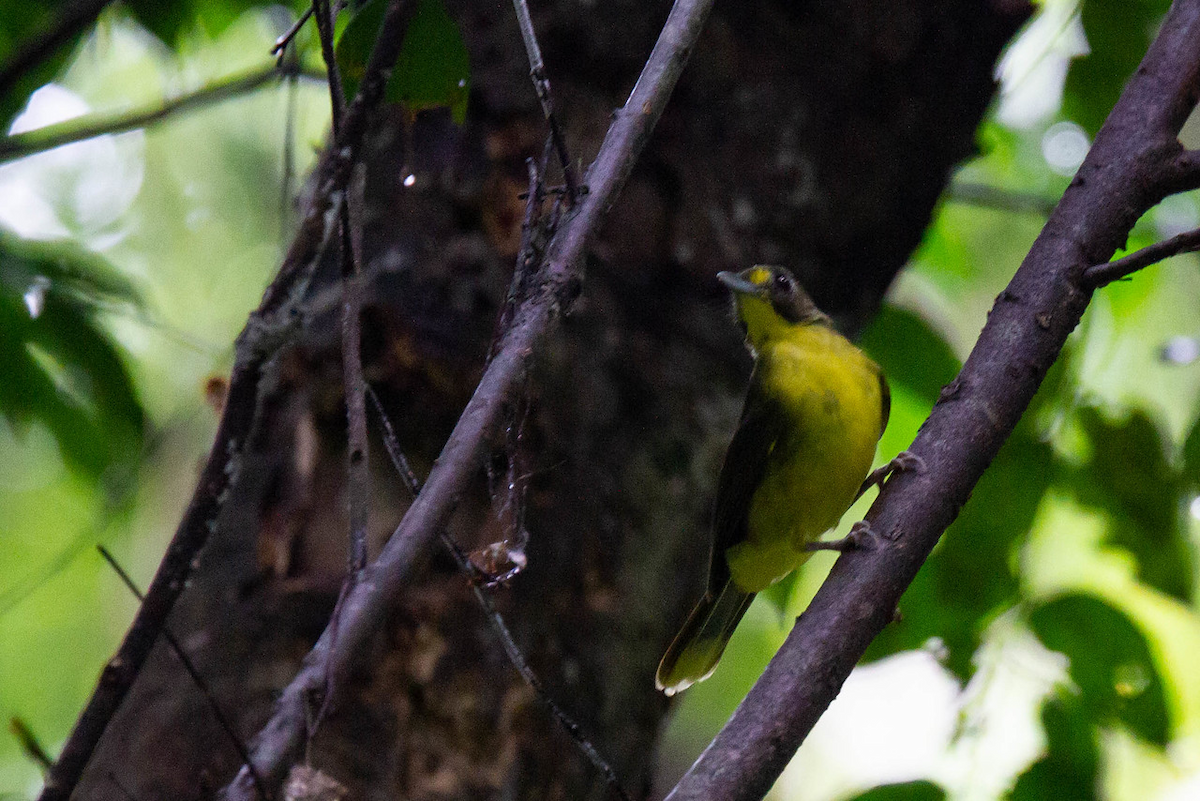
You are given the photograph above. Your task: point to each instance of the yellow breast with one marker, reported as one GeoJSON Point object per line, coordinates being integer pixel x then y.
{"type": "Point", "coordinates": [832, 395]}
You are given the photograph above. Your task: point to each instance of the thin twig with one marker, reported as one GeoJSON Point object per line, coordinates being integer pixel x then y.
{"type": "Point", "coordinates": [526, 253]}
{"type": "Point", "coordinates": [1100, 274]}
{"type": "Point", "coordinates": [209, 696]}
{"type": "Point", "coordinates": [283, 41]}
{"type": "Point", "coordinates": [1024, 334]}
{"type": "Point", "coordinates": [75, 16]}
{"type": "Point", "coordinates": [541, 85]}
{"type": "Point", "coordinates": [324, 15]}
{"type": "Point", "coordinates": [290, 58]}
{"type": "Point", "coordinates": [357, 453]}
{"type": "Point", "coordinates": [560, 282]}
{"type": "Point", "coordinates": [392, 446]}
{"type": "Point", "coordinates": [269, 328]}
{"type": "Point", "coordinates": [472, 573]}
{"type": "Point", "coordinates": [358, 476]}
{"type": "Point", "coordinates": [65, 133]}
{"type": "Point", "coordinates": [992, 197]}
{"type": "Point", "coordinates": [30, 744]}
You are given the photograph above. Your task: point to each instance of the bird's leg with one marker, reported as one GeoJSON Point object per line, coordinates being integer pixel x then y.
{"type": "Point", "coordinates": [903, 461]}
{"type": "Point", "coordinates": [861, 538]}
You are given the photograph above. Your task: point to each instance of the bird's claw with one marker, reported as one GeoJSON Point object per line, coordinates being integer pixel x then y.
{"type": "Point", "coordinates": [861, 538]}
{"type": "Point", "coordinates": [905, 461]}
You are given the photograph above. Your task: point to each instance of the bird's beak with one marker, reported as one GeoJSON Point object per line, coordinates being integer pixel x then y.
{"type": "Point", "coordinates": [736, 283]}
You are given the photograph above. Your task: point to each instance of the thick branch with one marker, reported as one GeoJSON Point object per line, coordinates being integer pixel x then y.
{"type": "Point", "coordinates": [975, 414]}
{"type": "Point", "coordinates": [279, 743]}
{"type": "Point", "coordinates": [269, 326]}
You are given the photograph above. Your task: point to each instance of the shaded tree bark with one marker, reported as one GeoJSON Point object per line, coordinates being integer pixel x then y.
{"type": "Point", "coordinates": [819, 137]}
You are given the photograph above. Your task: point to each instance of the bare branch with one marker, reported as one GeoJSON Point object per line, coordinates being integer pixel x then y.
{"type": "Point", "coordinates": [269, 327]}
{"type": "Point", "coordinates": [472, 574]}
{"type": "Point", "coordinates": [279, 742]}
{"type": "Point", "coordinates": [541, 84]}
{"type": "Point", "coordinates": [64, 133]}
{"type": "Point", "coordinates": [1098, 275]}
{"type": "Point", "coordinates": [177, 648]}
{"type": "Point", "coordinates": [281, 44]}
{"type": "Point", "coordinates": [30, 744]}
{"type": "Point", "coordinates": [991, 197]}
{"type": "Point", "coordinates": [974, 415]}
{"type": "Point", "coordinates": [325, 16]}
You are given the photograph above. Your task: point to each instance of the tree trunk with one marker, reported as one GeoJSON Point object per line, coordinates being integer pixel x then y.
{"type": "Point", "coordinates": [815, 135]}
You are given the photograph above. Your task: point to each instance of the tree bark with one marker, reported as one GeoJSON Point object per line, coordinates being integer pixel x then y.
{"type": "Point", "coordinates": [818, 136]}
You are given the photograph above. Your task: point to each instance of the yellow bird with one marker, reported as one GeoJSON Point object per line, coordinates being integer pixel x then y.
{"type": "Point", "coordinates": [816, 408]}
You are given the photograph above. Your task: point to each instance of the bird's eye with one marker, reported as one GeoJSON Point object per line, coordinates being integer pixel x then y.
{"type": "Point", "coordinates": [782, 283]}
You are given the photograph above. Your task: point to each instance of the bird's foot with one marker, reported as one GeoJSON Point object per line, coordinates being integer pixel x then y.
{"type": "Point", "coordinates": [861, 538]}
{"type": "Point", "coordinates": [904, 461]}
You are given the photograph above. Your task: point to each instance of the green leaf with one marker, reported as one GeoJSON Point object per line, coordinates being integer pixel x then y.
{"type": "Point", "coordinates": [433, 69]}
{"type": "Point", "coordinates": [910, 352]}
{"type": "Point", "coordinates": [59, 366]}
{"type": "Point", "coordinates": [971, 575]}
{"type": "Point", "coordinates": [171, 20]}
{"type": "Point", "coordinates": [1070, 769]}
{"type": "Point", "coordinates": [909, 791]}
{"type": "Point", "coordinates": [1111, 664]}
{"type": "Point", "coordinates": [1118, 34]}
{"type": "Point", "coordinates": [21, 23]}
{"type": "Point", "coordinates": [1130, 478]}
{"type": "Point", "coordinates": [1191, 457]}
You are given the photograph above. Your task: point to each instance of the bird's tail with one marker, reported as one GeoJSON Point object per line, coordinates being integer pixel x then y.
{"type": "Point", "coordinates": [698, 646]}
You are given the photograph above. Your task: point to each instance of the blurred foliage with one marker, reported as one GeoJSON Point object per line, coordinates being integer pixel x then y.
{"type": "Point", "coordinates": [1129, 477]}
{"type": "Point", "coordinates": [20, 24]}
{"type": "Point", "coordinates": [911, 791]}
{"type": "Point", "coordinates": [1118, 33]}
{"type": "Point", "coordinates": [60, 366]}
{"type": "Point", "coordinates": [1110, 664]}
{"type": "Point", "coordinates": [1070, 770]}
{"type": "Point", "coordinates": [433, 69]}
{"type": "Point", "coordinates": [1058, 609]}
{"type": "Point", "coordinates": [171, 21]}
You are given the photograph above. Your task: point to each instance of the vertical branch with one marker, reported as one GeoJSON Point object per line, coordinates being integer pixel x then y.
{"type": "Point", "coordinates": [541, 85]}
{"type": "Point", "coordinates": [323, 13]}
{"type": "Point", "coordinates": [358, 480]}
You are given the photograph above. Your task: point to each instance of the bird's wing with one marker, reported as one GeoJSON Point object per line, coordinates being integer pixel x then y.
{"type": "Point", "coordinates": [762, 426]}
{"type": "Point", "coordinates": [885, 398]}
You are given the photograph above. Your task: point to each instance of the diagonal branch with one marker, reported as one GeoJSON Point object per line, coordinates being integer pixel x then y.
{"type": "Point", "coordinates": [193, 672]}
{"type": "Point", "coordinates": [1099, 275]}
{"type": "Point", "coordinates": [1122, 176]}
{"type": "Point", "coordinates": [65, 133]}
{"type": "Point", "coordinates": [560, 282]}
{"type": "Point", "coordinates": [269, 327]}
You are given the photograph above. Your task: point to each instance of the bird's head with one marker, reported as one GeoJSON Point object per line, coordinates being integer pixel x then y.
{"type": "Point", "coordinates": [767, 301]}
